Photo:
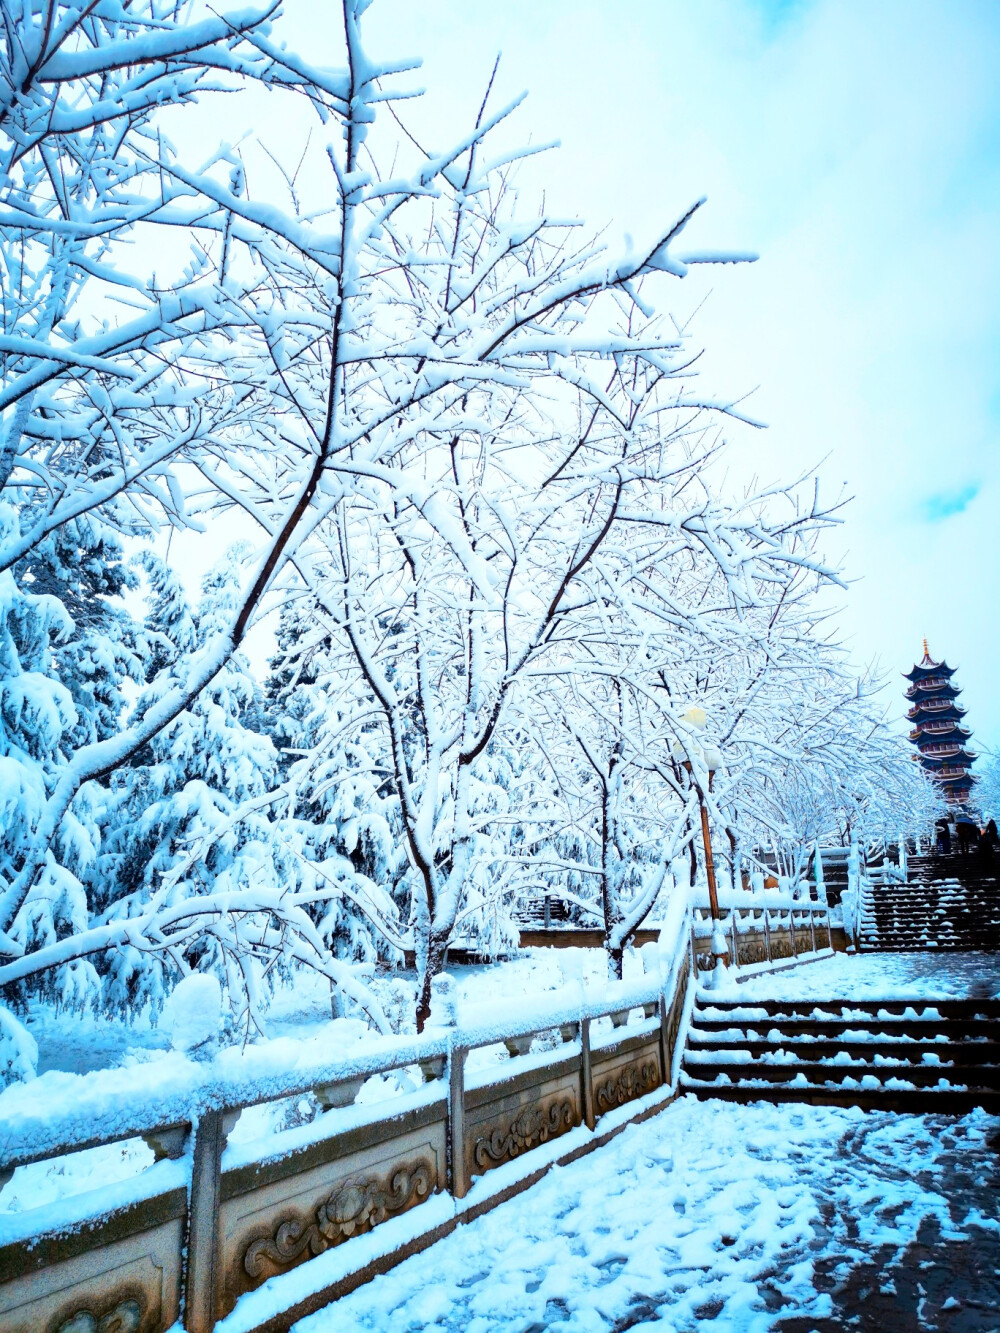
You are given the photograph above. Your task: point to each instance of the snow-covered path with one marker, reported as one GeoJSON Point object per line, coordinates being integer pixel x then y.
{"type": "Point", "coordinates": [877, 976]}
{"type": "Point", "coordinates": [734, 1217]}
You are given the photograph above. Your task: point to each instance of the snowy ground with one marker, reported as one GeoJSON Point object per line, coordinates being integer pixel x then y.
{"type": "Point", "coordinates": [729, 1217]}
{"type": "Point", "coordinates": [880, 975]}
{"type": "Point", "coordinates": [77, 1043]}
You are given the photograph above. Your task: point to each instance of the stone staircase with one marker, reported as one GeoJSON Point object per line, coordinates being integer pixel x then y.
{"type": "Point", "coordinates": [917, 1056]}
{"type": "Point", "coordinates": [948, 903]}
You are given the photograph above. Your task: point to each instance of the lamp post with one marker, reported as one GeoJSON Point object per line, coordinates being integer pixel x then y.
{"type": "Point", "coordinates": [711, 758]}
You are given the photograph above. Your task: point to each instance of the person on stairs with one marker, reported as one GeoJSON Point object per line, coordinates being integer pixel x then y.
{"type": "Point", "coordinates": [968, 835]}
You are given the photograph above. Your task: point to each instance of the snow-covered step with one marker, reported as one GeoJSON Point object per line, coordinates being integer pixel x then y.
{"type": "Point", "coordinates": [939, 1055]}
{"type": "Point", "coordinates": [900, 1097]}
{"type": "Point", "coordinates": [864, 1073]}
{"type": "Point", "coordinates": [949, 903]}
{"type": "Point", "coordinates": [906, 1050]}
{"type": "Point", "coordinates": [887, 1029]}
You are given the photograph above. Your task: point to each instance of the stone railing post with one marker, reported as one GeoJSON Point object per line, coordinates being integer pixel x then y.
{"type": "Point", "coordinates": [586, 1076]}
{"type": "Point", "coordinates": [791, 932]}
{"type": "Point", "coordinates": [456, 1121]}
{"type": "Point", "coordinates": [200, 1289]}
{"type": "Point", "coordinates": [812, 927]}
{"type": "Point", "coordinates": [665, 1055]}
{"type": "Point", "coordinates": [733, 932]}
{"type": "Point", "coordinates": [767, 935]}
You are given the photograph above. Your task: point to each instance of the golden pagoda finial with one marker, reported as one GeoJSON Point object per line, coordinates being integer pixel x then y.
{"type": "Point", "coordinates": [927, 652]}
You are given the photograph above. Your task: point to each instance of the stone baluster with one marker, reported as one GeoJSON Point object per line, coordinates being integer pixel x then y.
{"type": "Point", "coordinates": [456, 1122]}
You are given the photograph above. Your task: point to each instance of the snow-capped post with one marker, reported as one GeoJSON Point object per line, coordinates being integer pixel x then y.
{"type": "Point", "coordinates": [818, 874]}
{"type": "Point", "coordinates": [701, 755]}
{"type": "Point", "coordinates": [456, 1119]}
{"type": "Point", "coordinates": [203, 1215]}
{"type": "Point", "coordinates": [586, 1075]}
{"type": "Point", "coordinates": [851, 900]}
{"type": "Point", "coordinates": [444, 1015]}
{"type": "Point", "coordinates": [853, 868]}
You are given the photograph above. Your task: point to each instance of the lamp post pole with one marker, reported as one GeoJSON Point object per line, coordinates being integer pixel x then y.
{"type": "Point", "coordinates": [718, 939]}
{"type": "Point", "coordinates": [713, 893]}
{"type": "Point", "coordinates": [695, 717]}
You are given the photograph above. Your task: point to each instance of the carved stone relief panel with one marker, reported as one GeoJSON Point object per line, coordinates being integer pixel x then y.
{"type": "Point", "coordinates": [531, 1126]}
{"type": "Point", "coordinates": [505, 1123]}
{"type": "Point", "coordinates": [781, 943]}
{"type": "Point", "coordinates": [284, 1222]}
{"type": "Point", "coordinates": [124, 1316]}
{"type": "Point", "coordinates": [626, 1076]}
{"type": "Point", "coordinates": [122, 1286]}
{"type": "Point", "coordinates": [751, 948]}
{"type": "Point", "coordinates": [630, 1082]}
{"type": "Point", "coordinates": [353, 1207]}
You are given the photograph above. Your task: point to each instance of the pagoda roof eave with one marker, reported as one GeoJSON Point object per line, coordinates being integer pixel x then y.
{"type": "Point", "coordinates": [934, 669]}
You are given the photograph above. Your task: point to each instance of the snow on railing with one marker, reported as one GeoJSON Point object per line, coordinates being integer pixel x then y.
{"type": "Point", "coordinates": [774, 923]}
{"type": "Point", "coordinates": [186, 1109]}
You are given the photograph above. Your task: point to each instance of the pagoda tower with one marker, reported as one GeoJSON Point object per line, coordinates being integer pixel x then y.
{"type": "Point", "coordinates": [938, 733]}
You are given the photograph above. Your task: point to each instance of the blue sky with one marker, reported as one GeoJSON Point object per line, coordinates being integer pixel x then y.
{"type": "Point", "coordinates": [856, 147]}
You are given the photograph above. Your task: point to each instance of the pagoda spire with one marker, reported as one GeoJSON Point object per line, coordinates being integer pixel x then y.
{"type": "Point", "coordinates": [938, 733]}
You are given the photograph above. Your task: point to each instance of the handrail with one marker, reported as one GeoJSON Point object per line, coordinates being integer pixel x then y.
{"type": "Point", "coordinates": [187, 1108]}
{"type": "Point", "coordinates": [180, 1090]}
{"type": "Point", "coordinates": [793, 917]}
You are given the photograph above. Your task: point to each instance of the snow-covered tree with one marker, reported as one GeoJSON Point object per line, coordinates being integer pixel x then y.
{"type": "Point", "coordinates": [629, 809]}
{"type": "Point", "coordinates": [109, 376]}
{"type": "Point", "coordinates": [987, 789]}
{"type": "Point", "coordinates": [66, 650]}
{"type": "Point", "coordinates": [338, 814]}
{"type": "Point", "coordinates": [192, 812]}
{"type": "Point", "coordinates": [367, 327]}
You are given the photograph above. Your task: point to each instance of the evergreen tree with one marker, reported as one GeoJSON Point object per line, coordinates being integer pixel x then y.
{"type": "Point", "coordinates": [191, 815]}
{"type": "Point", "coordinates": [340, 816]}
{"type": "Point", "coordinates": [66, 651]}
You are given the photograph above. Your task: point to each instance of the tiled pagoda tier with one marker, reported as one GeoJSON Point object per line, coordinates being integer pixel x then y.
{"type": "Point", "coordinates": [938, 733]}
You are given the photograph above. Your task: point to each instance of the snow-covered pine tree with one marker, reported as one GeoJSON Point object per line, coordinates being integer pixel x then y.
{"type": "Point", "coordinates": [66, 651]}
{"type": "Point", "coordinates": [340, 816]}
{"type": "Point", "coordinates": [191, 815]}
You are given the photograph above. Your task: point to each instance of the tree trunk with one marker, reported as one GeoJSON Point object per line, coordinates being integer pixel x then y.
{"type": "Point", "coordinates": [436, 949]}
{"type": "Point", "coordinates": [615, 962]}
{"type": "Point", "coordinates": [694, 862]}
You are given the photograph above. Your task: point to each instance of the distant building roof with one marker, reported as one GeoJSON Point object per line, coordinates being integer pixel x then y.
{"type": "Point", "coordinates": [928, 667]}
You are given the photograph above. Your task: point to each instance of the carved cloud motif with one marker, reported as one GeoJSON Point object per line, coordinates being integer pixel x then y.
{"type": "Point", "coordinates": [357, 1205]}
{"type": "Point", "coordinates": [532, 1125]}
